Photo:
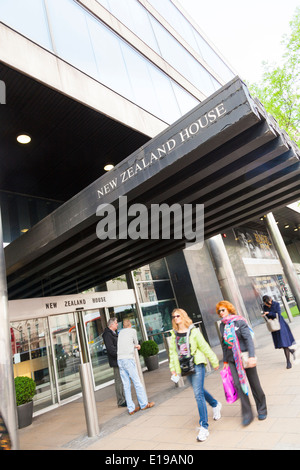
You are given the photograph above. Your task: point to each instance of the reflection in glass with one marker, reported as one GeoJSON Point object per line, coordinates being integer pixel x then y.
{"type": "Point", "coordinates": [29, 18]}
{"type": "Point", "coordinates": [71, 36]}
{"type": "Point", "coordinates": [95, 324]}
{"type": "Point", "coordinates": [66, 354]}
{"type": "Point", "coordinates": [156, 297]}
{"type": "Point", "coordinates": [126, 311]}
{"type": "Point", "coordinates": [157, 318]}
{"type": "Point", "coordinates": [176, 19]}
{"type": "Point", "coordinates": [31, 353]}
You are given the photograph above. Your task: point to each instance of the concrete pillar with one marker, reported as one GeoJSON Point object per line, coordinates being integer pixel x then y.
{"type": "Point", "coordinates": [284, 257]}
{"type": "Point", "coordinates": [225, 275]}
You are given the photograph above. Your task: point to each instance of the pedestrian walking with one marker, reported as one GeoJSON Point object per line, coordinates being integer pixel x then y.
{"type": "Point", "coordinates": [127, 342]}
{"type": "Point", "coordinates": [236, 340]}
{"type": "Point", "coordinates": [185, 338]}
{"type": "Point", "coordinates": [282, 338]}
{"type": "Point", "coordinates": [110, 338]}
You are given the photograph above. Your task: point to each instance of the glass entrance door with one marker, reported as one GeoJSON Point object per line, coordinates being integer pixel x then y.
{"type": "Point", "coordinates": [32, 357]}
{"type": "Point", "coordinates": [95, 323]}
{"type": "Point", "coordinates": [66, 354]}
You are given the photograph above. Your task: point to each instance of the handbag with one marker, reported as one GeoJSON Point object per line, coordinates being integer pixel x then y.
{"type": "Point", "coordinates": [273, 324]}
{"type": "Point", "coordinates": [230, 391]}
{"type": "Point", "coordinates": [187, 364]}
{"type": "Point", "coordinates": [245, 359]}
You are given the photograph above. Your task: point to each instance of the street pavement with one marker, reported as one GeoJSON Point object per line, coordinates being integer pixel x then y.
{"type": "Point", "coordinates": [171, 425]}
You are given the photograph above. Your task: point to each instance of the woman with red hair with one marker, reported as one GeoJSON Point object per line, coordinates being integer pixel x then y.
{"type": "Point", "coordinates": [237, 339]}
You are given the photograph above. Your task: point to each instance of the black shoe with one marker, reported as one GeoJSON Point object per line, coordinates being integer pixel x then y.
{"type": "Point", "coordinates": [247, 421]}
{"type": "Point", "coordinates": [262, 417]}
{"type": "Point", "coordinates": [123, 404]}
{"type": "Point", "coordinates": [288, 365]}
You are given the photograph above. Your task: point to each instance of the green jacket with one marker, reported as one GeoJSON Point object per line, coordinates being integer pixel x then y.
{"type": "Point", "coordinates": [199, 348]}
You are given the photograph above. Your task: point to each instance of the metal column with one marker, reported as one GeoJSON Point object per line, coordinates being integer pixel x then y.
{"type": "Point", "coordinates": [7, 388]}
{"type": "Point", "coordinates": [225, 275]}
{"type": "Point", "coordinates": [86, 379]}
{"type": "Point", "coordinates": [284, 257]}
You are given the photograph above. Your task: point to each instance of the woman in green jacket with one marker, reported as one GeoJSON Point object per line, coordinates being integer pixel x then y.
{"type": "Point", "coordinates": [200, 350]}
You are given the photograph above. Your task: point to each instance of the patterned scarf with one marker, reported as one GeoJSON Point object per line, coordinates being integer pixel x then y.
{"type": "Point", "coordinates": [232, 342]}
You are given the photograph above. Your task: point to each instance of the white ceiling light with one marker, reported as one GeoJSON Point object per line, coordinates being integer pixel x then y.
{"type": "Point", "coordinates": [23, 139]}
{"type": "Point", "coordinates": [109, 166]}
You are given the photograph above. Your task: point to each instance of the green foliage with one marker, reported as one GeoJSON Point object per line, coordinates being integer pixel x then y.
{"type": "Point", "coordinates": [279, 89]}
{"type": "Point", "coordinates": [149, 348]}
{"type": "Point", "coordinates": [25, 389]}
{"type": "Point", "coordinates": [294, 311]}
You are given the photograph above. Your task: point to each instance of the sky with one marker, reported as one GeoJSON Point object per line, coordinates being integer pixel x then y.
{"type": "Point", "coordinates": [245, 32]}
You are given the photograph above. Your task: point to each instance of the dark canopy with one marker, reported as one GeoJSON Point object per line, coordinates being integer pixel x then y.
{"type": "Point", "coordinates": [227, 154]}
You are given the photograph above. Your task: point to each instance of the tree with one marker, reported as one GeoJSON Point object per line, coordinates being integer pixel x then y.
{"type": "Point", "coordinates": [279, 89]}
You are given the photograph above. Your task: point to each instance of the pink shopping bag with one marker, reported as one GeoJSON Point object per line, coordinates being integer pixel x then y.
{"type": "Point", "coordinates": [230, 391]}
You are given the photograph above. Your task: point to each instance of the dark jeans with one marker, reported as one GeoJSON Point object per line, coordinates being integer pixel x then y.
{"type": "Point", "coordinates": [257, 392]}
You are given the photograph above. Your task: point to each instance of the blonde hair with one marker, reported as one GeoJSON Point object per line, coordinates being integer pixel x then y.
{"type": "Point", "coordinates": [184, 316]}
{"type": "Point", "coordinates": [226, 304]}
{"type": "Point", "coordinates": [126, 323]}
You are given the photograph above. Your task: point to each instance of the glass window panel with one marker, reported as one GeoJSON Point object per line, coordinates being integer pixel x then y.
{"type": "Point", "coordinates": [140, 79]}
{"type": "Point", "coordinates": [157, 318]}
{"type": "Point", "coordinates": [167, 107]}
{"type": "Point", "coordinates": [118, 283]}
{"type": "Point", "coordinates": [185, 101]}
{"type": "Point", "coordinates": [211, 57]}
{"type": "Point", "coordinates": [126, 311]}
{"type": "Point", "coordinates": [170, 49]}
{"type": "Point", "coordinates": [31, 357]}
{"type": "Point", "coordinates": [133, 15]}
{"type": "Point", "coordinates": [153, 271]}
{"type": "Point", "coordinates": [182, 60]}
{"type": "Point", "coordinates": [66, 354]}
{"type": "Point", "coordinates": [110, 61]}
{"type": "Point", "coordinates": [193, 38]}
{"type": "Point", "coordinates": [95, 323]}
{"type": "Point", "coordinates": [154, 291]}
{"type": "Point", "coordinates": [71, 36]}
{"type": "Point", "coordinates": [28, 18]}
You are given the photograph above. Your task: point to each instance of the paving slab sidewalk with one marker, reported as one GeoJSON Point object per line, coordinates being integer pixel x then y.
{"type": "Point", "coordinates": [172, 423]}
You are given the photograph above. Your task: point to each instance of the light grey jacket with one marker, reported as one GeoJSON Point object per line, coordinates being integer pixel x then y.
{"type": "Point", "coordinates": [127, 339]}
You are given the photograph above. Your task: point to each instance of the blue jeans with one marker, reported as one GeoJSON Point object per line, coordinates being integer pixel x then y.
{"type": "Point", "coordinates": [201, 395]}
{"type": "Point", "coordinates": [129, 371]}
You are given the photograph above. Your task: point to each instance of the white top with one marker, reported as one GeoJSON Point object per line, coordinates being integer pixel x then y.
{"type": "Point", "coordinates": [127, 339]}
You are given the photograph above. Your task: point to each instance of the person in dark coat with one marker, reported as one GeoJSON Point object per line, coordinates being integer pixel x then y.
{"type": "Point", "coordinates": [282, 338]}
{"type": "Point", "coordinates": [110, 338]}
{"type": "Point", "coordinates": [237, 339]}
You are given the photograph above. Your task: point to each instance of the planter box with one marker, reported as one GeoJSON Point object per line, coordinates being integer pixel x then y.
{"type": "Point", "coordinates": [152, 362]}
{"type": "Point", "coordinates": [25, 414]}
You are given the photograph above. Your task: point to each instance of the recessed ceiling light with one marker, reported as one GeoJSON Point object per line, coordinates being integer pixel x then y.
{"type": "Point", "coordinates": [24, 230]}
{"type": "Point", "coordinates": [109, 166]}
{"type": "Point", "coordinates": [23, 139]}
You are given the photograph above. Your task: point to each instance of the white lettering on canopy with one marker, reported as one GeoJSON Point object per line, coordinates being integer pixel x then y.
{"type": "Point", "coordinates": [160, 152]}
